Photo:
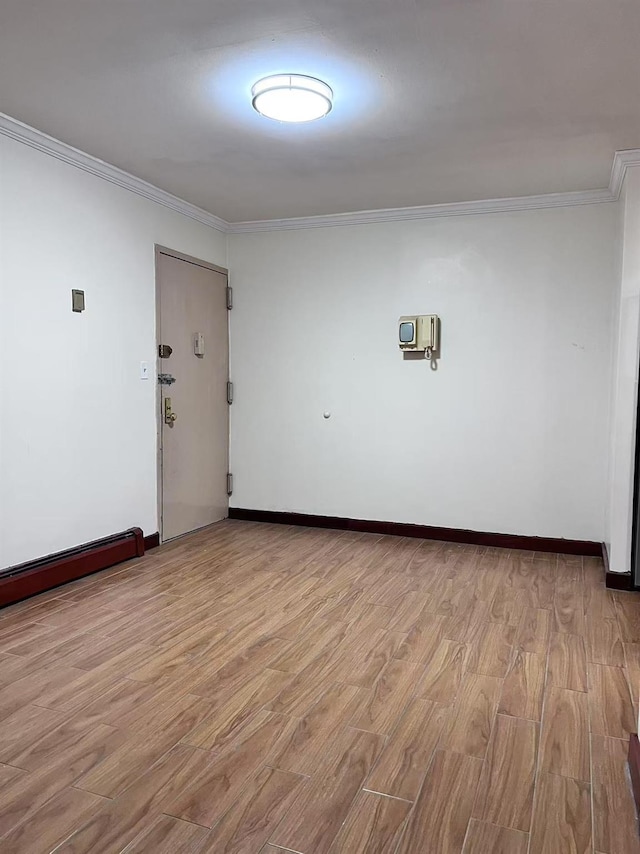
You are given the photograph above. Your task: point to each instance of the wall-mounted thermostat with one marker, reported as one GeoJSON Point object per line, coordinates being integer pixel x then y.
{"type": "Point", "coordinates": [419, 332]}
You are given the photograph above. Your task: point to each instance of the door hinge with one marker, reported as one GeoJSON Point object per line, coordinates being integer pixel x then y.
{"type": "Point", "coordinates": [229, 392]}
{"type": "Point", "coordinates": [229, 298]}
{"type": "Point", "coordinates": [229, 484]}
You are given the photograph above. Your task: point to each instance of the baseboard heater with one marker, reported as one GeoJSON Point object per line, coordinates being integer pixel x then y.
{"type": "Point", "coordinates": [27, 579]}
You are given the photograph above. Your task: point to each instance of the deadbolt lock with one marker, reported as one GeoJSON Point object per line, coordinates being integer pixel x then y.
{"type": "Point", "coordinates": [169, 414]}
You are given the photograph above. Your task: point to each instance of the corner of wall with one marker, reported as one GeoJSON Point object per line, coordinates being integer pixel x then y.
{"type": "Point", "coordinates": [624, 377]}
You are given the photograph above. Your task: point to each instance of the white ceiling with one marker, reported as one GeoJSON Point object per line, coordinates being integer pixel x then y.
{"type": "Point", "coordinates": [435, 100]}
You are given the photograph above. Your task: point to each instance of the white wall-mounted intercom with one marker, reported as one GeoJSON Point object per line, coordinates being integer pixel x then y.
{"type": "Point", "coordinates": [419, 332]}
{"type": "Point", "coordinates": [198, 344]}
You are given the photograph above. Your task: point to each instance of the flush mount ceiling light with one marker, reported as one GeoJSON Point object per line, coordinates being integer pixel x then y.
{"type": "Point", "coordinates": [292, 98]}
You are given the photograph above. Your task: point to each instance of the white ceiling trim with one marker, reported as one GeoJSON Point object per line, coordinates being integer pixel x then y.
{"type": "Point", "coordinates": [622, 160]}
{"type": "Point", "coordinates": [21, 132]}
{"type": "Point", "coordinates": [484, 206]}
{"type": "Point", "coordinates": [74, 157]}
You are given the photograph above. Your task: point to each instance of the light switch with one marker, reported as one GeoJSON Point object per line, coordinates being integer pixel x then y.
{"type": "Point", "coordinates": [144, 370]}
{"type": "Point", "coordinates": [77, 300]}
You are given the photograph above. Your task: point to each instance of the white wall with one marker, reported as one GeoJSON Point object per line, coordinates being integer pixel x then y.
{"type": "Point", "coordinates": [78, 430]}
{"type": "Point", "coordinates": [509, 435]}
{"type": "Point", "coordinates": [625, 378]}
{"type": "Point", "coordinates": [619, 250]}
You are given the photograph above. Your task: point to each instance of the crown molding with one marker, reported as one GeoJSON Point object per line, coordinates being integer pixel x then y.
{"type": "Point", "coordinates": [622, 160]}
{"type": "Point", "coordinates": [484, 206]}
{"type": "Point", "coordinates": [21, 132]}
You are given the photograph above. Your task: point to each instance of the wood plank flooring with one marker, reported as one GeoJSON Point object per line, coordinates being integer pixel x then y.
{"type": "Point", "coordinates": [260, 689]}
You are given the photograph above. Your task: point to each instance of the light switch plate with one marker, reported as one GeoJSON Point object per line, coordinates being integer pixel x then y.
{"type": "Point", "coordinates": [144, 370]}
{"type": "Point", "coordinates": [77, 300]}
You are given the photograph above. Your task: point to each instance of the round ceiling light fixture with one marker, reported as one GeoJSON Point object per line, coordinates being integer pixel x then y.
{"type": "Point", "coordinates": [292, 98]}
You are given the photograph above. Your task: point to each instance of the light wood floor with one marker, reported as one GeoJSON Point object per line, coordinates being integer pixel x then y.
{"type": "Point", "coordinates": [258, 688]}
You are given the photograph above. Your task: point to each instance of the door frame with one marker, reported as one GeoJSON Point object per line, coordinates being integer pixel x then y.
{"type": "Point", "coordinates": [190, 259]}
